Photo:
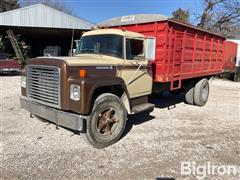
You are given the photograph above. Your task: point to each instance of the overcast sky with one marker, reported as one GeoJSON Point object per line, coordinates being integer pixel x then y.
{"type": "Point", "coordinates": [99, 10]}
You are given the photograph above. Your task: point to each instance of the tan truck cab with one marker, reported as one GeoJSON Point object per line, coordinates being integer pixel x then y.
{"type": "Point", "coordinates": [93, 91]}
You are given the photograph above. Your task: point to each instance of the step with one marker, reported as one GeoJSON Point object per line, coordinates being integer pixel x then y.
{"type": "Point", "coordinates": [142, 107]}
{"type": "Point", "coordinates": [177, 85]}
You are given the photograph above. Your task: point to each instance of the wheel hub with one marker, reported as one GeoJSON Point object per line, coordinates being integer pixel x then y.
{"type": "Point", "coordinates": [107, 121]}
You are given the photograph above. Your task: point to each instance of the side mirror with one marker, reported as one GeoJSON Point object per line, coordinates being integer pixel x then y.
{"type": "Point", "coordinates": [150, 48]}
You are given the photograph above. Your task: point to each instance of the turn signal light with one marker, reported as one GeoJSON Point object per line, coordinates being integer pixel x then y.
{"type": "Point", "coordinates": [82, 73]}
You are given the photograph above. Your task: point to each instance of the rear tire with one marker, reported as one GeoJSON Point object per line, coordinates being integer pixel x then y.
{"type": "Point", "coordinates": [189, 96]}
{"type": "Point", "coordinates": [107, 121]}
{"type": "Point", "coordinates": [201, 92]}
{"type": "Point", "coordinates": [237, 75]}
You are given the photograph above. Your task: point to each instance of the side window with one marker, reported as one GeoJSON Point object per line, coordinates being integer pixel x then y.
{"type": "Point", "coordinates": [150, 48]}
{"type": "Point", "coordinates": [134, 49]}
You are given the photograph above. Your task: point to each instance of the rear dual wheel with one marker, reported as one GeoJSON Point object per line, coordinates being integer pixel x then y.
{"type": "Point", "coordinates": [201, 92]}
{"type": "Point", "coordinates": [189, 96]}
{"type": "Point", "coordinates": [198, 94]}
{"type": "Point", "coordinates": [107, 121]}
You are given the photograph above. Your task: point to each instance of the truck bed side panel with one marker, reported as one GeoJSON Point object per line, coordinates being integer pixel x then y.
{"type": "Point", "coordinates": [182, 51]}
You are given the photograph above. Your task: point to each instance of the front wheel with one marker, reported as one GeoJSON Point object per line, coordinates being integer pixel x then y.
{"type": "Point", "coordinates": [107, 121]}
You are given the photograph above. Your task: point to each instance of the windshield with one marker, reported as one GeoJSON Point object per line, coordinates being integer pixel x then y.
{"type": "Point", "coordinates": [111, 45]}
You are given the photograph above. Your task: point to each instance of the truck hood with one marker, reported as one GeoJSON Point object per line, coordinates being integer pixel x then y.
{"type": "Point", "coordinates": [88, 60]}
{"type": "Point", "coordinates": [95, 65]}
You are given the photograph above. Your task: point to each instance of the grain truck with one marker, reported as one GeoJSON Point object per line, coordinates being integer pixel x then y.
{"type": "Point", "coordinates": [114, 72]}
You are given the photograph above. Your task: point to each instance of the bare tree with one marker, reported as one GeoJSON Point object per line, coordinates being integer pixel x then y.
{"type": "Point", "coordinates": [6, 5]}
{"type": "Point", "coordinates": [56, 4]}
{"type": "Point", "coordinates": [222, 16]}
{"type": "Point", "coordinates": [181, 15]}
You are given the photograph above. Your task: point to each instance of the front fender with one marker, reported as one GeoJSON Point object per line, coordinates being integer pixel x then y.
{"type": "Point", "coordinates": [88, 87]}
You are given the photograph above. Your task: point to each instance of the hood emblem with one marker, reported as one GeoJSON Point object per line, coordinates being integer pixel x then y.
{"type": "Point", "coordinates": [104, 67]}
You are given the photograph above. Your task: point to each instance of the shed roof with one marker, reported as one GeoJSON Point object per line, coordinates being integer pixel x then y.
{"type": "Point", "coordinates": [134, 19]}
{"type": "Point", "coordinates": [40, 15]}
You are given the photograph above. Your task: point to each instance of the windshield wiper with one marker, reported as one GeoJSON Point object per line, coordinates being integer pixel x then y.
{"type": "Point", "coordinates": [84, 50]}
{"type": "Point", "coordinates": [87, 50]}
{"type": "Point", "coordinates": [97, 52]}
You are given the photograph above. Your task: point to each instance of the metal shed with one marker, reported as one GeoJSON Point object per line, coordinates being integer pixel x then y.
{"type": "Point", "coordinates": [40, 15]}
{"type": "Point", "coordinates": [41, 26]}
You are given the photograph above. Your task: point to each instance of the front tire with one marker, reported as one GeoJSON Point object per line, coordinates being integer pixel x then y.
{"type": "Point", "coordinates": [107, 121]}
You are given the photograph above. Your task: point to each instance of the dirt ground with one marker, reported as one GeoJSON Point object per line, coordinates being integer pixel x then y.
{"type": "Point", "coordinates": [152, 146]}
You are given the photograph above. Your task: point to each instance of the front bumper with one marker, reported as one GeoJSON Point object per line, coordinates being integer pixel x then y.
{"type": "Point", "coordinates": [59, 117]}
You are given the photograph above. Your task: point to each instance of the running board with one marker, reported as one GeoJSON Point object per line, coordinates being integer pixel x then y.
{"type": "Point", "coordinates": [142, 107]}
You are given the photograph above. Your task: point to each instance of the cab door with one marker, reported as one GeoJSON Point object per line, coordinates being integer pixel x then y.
{"type": "Point", "coordinates": [136, 71]}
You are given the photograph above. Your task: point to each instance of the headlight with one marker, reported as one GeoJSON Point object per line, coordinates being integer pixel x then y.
{"type": "Point", "coordinates": [75, 92]}
{"type": "Point", "coordinates": [23, 81]}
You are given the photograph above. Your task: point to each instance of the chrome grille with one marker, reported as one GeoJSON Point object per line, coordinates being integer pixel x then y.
{"type": "Point", "coordinates": [44, 85]}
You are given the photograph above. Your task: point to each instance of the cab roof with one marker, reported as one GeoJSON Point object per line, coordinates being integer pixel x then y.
{"type": "Point", "coordinates": [114, 31]}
